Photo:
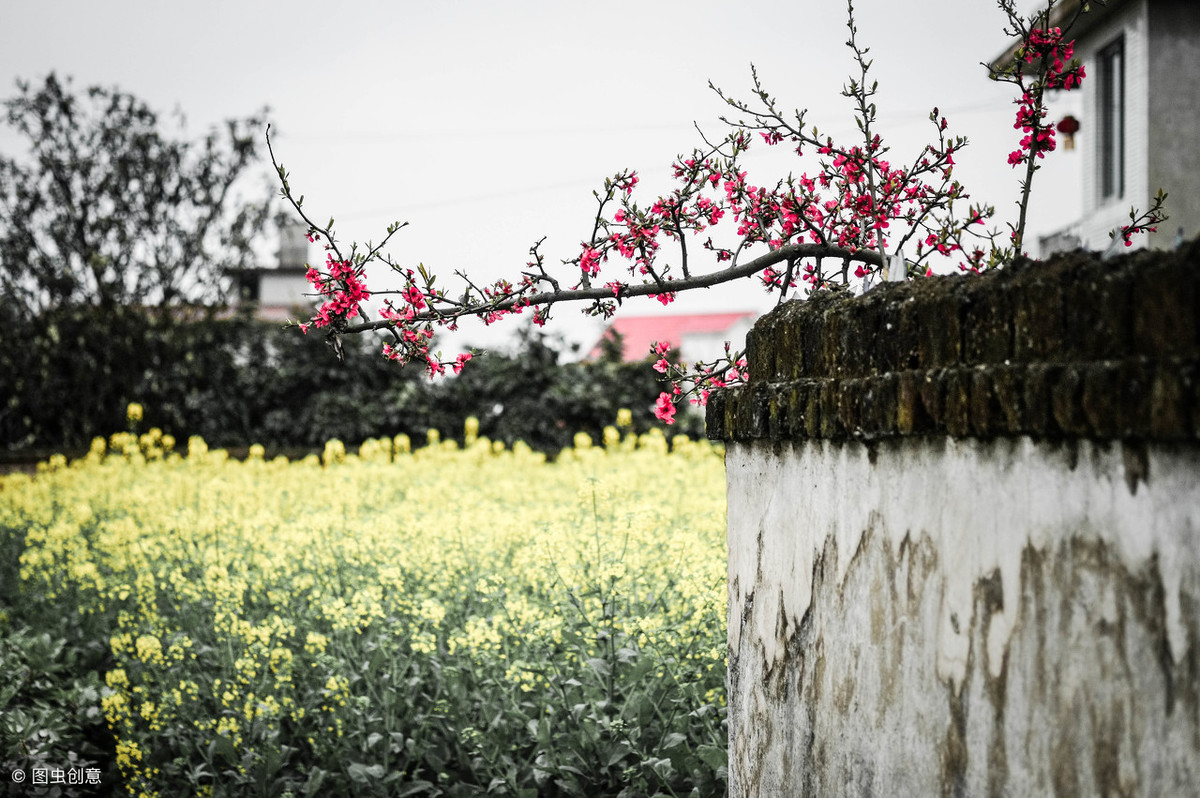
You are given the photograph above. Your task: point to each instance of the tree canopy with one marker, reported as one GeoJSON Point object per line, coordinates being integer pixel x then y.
{"type": "Point", "coordinates": [108, 207]}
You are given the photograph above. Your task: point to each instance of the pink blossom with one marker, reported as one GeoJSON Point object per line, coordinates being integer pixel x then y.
{"type": "Point", "coordinates": [414, 297]}
{"type": "Point", "coordinates": [664, 409]}
{"type": "Point", "coordinates": [589, 262]}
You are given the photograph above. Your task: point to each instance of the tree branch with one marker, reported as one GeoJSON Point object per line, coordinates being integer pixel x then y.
{"type": "Point", "coordinates": [784, 253]}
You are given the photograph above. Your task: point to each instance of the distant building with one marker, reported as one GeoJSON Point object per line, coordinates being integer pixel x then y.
{"type": "Point", "coordinates": [698, 336]}
{"type": "Point", "coordinates": [280, 292]}
{"type": "Point", "coordinates": [1140, 125]}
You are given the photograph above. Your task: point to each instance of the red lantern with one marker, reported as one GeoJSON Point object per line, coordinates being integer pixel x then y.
{"type": "Point", "coordinates": [1069, 126]}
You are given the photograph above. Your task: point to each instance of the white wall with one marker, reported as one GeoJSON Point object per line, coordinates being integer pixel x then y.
{"type": "Point", "coordinates": [710, 346]}
{"type": "Point", "coordinates": [1175, 115]}
{"type": "Point", "coordinates": [285, 290]}
{"type": "Point", "coordinates": [938, 616]}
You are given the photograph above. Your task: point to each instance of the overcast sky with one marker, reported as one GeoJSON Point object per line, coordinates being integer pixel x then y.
{"type": "Point", "coordinates": [486, 125]}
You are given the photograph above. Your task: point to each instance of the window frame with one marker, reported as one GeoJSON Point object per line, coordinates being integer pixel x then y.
{"type": "Point", "coordinates": [1110, 102]}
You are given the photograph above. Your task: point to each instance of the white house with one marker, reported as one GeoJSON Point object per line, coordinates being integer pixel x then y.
{"type": "Point", "coordinates": [1140, 125]}
{"type": "Point", "coordinates": [282, 291]}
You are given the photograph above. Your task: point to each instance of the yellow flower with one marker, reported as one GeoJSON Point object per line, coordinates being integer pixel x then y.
{"type": "Point", "coordinates": [149, 650]}
{"type": "Point", "coordinates": [423, 643]}
{"type": "Point", "coordinates": [120, 644]}
{"type": "Point", "coordinates": [281, 662]}
{"type": "Point", "coordinates": [197, 448]}
{"type": "Point", "coordinates": [228, 727]}
{"type": "Point", "coordinates": [335, 452]}
{"type": "Point", "coordinates": [133, 413]}
{"type": "Point", "coordinates": [128, 754]}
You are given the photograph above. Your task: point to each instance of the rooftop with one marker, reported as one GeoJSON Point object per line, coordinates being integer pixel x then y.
{"type": "Point", "coordinates": [639, 333]}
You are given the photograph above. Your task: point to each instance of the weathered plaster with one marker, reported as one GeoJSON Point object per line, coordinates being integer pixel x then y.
{"type": "Point", "coordinates": [932, 615]}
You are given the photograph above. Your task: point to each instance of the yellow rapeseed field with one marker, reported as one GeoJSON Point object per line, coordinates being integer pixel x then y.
{"type": "Point", "coordinates": [437, 620]}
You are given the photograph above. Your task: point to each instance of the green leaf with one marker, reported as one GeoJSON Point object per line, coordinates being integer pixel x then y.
{"type": "Point", "coordinates": [272, 761]}
{"type": "Point", "coordinates": [663, 768]}
{"type": "Point", "coordinates": [415, 787]}
{"type": "Point", "coordinates": [601, 667]}
{"type": "Point", "coordinates": [315, 779]}
{"type": "Point", "coordinates": [223, 746]}
{"type": "Point", "coordinates": [617, 753]}
{"type": "Point", "coordinates": [712, 756]}
{"type": "Point", "coordinates": [364, 774]}
{"type": "Point", "coordinates": [673, 740]}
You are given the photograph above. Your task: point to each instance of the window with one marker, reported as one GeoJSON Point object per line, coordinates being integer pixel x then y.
{"type": "Point", "coordinates": [1111, 88]}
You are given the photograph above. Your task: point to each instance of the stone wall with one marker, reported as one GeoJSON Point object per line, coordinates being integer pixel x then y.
{"type": "Point", "coordinates": [964, 536]}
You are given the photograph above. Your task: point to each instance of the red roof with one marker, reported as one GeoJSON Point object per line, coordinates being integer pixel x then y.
{"type": "Point", "coordinates": [641, 332]}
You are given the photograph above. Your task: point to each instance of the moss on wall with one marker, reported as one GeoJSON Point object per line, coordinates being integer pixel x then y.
{"type": "Point", "coordinates": [1074, 347]}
